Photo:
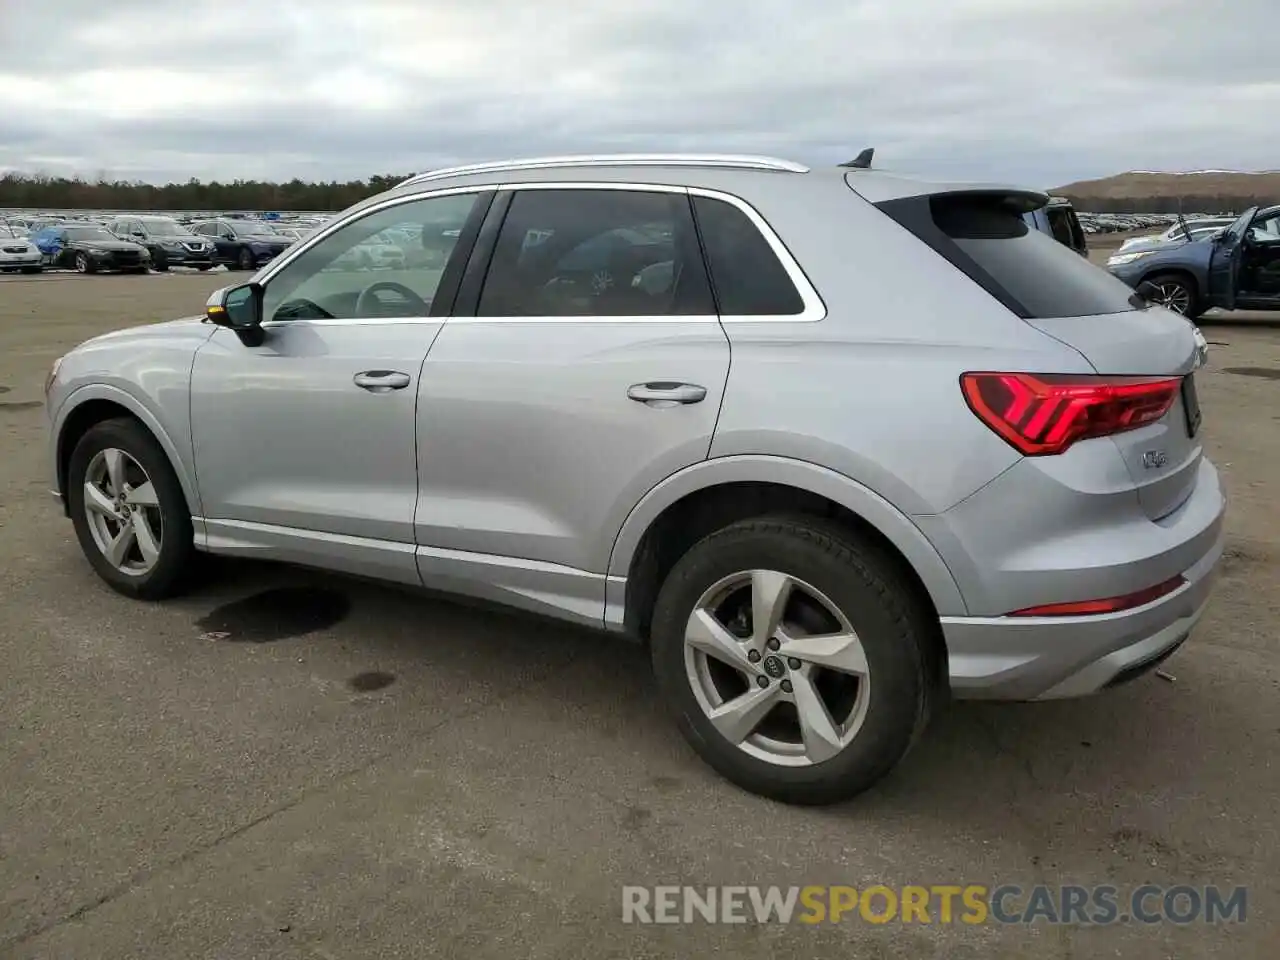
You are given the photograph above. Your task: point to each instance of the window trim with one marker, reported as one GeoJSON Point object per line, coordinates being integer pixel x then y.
{"type": "Point", "coordinates": [814, 308]}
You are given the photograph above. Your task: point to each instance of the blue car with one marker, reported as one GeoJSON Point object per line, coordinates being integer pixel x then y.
{"type": "Point", "coordinates": [1237, 268]}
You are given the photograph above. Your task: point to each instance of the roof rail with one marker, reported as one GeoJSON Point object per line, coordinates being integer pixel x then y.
{"type": "Point", "coordinates": [616, 160]}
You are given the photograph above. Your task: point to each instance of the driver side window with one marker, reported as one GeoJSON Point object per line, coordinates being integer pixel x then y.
{"type": "Point", "coordinates": [387, 264]}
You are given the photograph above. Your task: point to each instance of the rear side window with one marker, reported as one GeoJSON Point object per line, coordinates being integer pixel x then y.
{"type": "Point", "coordinates": [596, 253]}
{"type": "Point", "coordinates": [748, 278]}
{"type": "Point", "coordinates": [1034, 275]}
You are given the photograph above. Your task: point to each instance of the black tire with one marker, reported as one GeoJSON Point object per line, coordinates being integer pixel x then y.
{"type": "Point", "coordinates": [205, 268]}
{"type": "Point", "coordinates": [84, 264]}
{"type": "Point", "coordinates": [1176, 287]}
{"type": "Point", "coordinates": [866, 586]}
{"type": "Point", "coordinates": [139, 270]}
{"type": "Point", "coordinates": [37, 269]}
{"type": "Point", "coordinates": [245, 260]}
{"type": "Point", "coordinates": [177, 554]}
{"type": "Point", "coordinates": [160, 264]}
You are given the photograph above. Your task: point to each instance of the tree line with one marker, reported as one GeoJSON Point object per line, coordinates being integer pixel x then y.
{"type": "Point", "coordinates": [63, 193]}
{"type": "Point", "coordinates": [38, 191]}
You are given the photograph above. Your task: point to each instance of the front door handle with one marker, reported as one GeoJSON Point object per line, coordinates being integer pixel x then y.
{"type": "Point", "coordinates": [662, 394]}
{"type": "Point", "coordinates": [381, 381]}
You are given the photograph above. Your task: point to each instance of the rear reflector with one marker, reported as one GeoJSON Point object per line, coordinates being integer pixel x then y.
{"type": "Point", "coordinates": [1044, 414]}
{"type": "Point", "coordinates": [1084, 608]}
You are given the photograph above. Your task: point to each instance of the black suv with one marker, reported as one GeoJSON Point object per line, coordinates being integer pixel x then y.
{"type": "Point", "coordinates": [169, 242]}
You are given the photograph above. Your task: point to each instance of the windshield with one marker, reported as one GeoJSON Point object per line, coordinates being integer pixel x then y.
{"type": "Point", "coordinates": [166, 228]}
{"type": "Point", "coordinates": [88, 233]}
{"type": "Point", "coordinates": [251, 229]}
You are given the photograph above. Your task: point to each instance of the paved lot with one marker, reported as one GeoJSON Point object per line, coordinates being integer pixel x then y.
{"type": "Point", "coordinates": [357, 772]}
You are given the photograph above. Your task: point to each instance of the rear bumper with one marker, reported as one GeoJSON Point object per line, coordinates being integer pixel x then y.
{"type": "Point", "coordinates": [1047, 658]}
{"type": "Point", "coordinates": [1028, 658]}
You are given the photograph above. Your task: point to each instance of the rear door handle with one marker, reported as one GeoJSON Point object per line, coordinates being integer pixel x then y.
{"type": "Point", "coordinates": [663, 394]}
{"type": "Point", "coordinates": [381, 381]}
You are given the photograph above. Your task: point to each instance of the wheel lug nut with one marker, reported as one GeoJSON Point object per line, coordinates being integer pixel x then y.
{"type": "Point", "coordinates": [773, 643]}
{"type": "Point", "coordinates": [754, 656]}
{"type": "Point", "coordinates": [793, 663]}
{"type": "Point", "coordinates": [786, 686]}
{"type": "Point", "coordinates": [762, 681]}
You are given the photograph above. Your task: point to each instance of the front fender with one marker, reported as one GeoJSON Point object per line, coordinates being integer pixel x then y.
{"type": "Point", "coordinates": [896, 526]}
{"type": "Point", "coordinates": [179, 455]}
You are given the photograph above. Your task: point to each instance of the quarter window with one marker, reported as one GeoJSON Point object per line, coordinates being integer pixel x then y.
{"type": "Point", "coordinates": [596, 253]}
{"type": "Point", "coordinates": [749, 279]}
{"type": "Point", "coordinates": [386, 264]}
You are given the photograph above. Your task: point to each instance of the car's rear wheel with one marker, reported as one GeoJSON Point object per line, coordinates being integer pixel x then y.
{"type": "Point", "coordinates": [245, 261]}
{"type": "Point", "coordinates": [794, 658]}
{"type": "Point", "coordinates": [1175, 292]}
{"type": "Point", "coordinates": [129, 512]}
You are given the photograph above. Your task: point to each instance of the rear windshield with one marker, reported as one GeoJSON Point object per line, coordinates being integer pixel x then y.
{"type": "Point", "coordinates": [1035, 276]}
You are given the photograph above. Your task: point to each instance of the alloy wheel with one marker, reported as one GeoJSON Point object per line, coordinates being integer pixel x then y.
{"type": "Point", "coordinates": [123, 511]}
{"type": "Point", "coordinates": [777, 668]}
{"type": "Point", "coordinates": [1173, 295]}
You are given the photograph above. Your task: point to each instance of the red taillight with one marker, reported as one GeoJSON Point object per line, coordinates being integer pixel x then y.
{"type": "Point", "coordinates": [1042, 414]}
{"type": "Point", "coordinates": [1084, 608]}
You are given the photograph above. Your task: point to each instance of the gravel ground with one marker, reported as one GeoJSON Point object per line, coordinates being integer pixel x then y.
{"type": "Point", "coordinates": [358, 772]}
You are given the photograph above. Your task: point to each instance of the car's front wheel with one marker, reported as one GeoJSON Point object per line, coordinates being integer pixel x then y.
{"type": "Point", "coordinates": [1176, 293]}
{"type": "Point", "coordinates": [129, 512]}
{"type": "Point", "coordinates": [83, 263]}
{"type": "Point", "coordinates": [794, 658]}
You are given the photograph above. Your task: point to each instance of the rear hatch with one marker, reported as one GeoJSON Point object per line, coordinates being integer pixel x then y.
{"type": "Point", "coordinates": [982, 233]}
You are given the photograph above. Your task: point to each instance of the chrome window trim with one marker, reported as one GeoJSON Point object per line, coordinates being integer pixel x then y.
{"type": "Point", "coordinates": [732, 161]}
{"type": "Point", "coordinates": [814, 308]}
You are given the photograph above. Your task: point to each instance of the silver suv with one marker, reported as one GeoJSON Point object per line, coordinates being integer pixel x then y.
{"type": "Point", "coordinates": [835, 444]}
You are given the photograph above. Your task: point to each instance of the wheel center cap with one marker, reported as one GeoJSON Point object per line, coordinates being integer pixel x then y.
{"type": "Point", "coordinates": [774, 667]}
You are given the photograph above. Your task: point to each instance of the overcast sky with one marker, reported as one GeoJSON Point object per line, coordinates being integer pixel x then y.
{"type": "Point", "coordinates": [1037, 91]}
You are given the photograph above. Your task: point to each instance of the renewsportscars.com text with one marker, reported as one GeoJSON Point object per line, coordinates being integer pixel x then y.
{"type": "Point", "coordinates": [937, 904]}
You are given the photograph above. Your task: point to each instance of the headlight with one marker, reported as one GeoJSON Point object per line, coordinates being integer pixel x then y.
{"type": "Point", "coordinates": [1120, 259]}
{"type": "Point", "coordinates": [99, 253]}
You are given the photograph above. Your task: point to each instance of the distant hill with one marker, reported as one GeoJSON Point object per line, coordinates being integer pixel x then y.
{"type": "Point", "coordinates": [1204, 191]}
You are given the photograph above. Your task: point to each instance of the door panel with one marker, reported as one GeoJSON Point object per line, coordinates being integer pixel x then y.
{"type": "Point", "coordinates": [1226, 260]}
{"type": "Point", "coordinates": [529, 445]}
{"type": "Point", "coordinates": [593, 370]}
{"type": "Point", "coordinates": [283, 434]}
{"type": "Point", "coordinates": [309, 438]}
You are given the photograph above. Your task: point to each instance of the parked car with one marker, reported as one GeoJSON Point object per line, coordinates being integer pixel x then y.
{"type": "Point", "coordinates": [240, 243]}
{"type": "Point", "coordinates": [90, 249]}
{"type": "Point", "coordinates": [1198, 229]}
{"type": "Point", "coordinates": [168, 242]}
{"type": "Point", "coordinates": [1235, 269]}
{"type": "Point", "coordinates": [44, 223]}
{"type": "Point", "coordinates": [17, 252]}
{"type": "Point", "coordinates": [836, 445]}
{"type": "Point", "coordinates": [1058, 219]}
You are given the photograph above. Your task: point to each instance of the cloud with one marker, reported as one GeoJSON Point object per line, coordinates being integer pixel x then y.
{"type": "Point", "coordinates": [1035, 91]}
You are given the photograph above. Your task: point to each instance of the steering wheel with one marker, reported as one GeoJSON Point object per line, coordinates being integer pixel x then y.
{"type": "Point", "coordinates": [369, 298]}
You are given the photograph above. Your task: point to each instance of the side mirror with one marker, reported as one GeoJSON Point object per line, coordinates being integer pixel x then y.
{"type": "Point", "coordinates": [239, 309]}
